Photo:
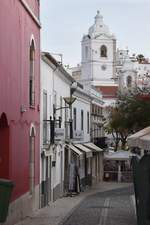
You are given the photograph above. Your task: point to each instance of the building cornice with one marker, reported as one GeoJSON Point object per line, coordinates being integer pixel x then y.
{"type": "Point", "coordinates": [83, 94]}
{"type": "Point", "coordinates": [129, 70]}
{"type": "Point", "coordinates": [31, 13]}
{"type": "Point", "coordinates": [47, 58]}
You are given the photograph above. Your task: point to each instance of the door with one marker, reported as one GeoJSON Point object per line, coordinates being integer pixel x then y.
{"type": "Point", "coordinates": [4, 147]}
{"type": "Point", "coordinates": [66, 170]}
{"type": "Point", "coordinates": [61, 173]}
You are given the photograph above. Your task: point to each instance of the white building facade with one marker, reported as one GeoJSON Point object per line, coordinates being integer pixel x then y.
{"type": "Point", "coordinates": [91, 167]}
{"type": "Point", "coordinates": [66, 163]}
{"type": "Point", "coordinates": [55, 85]}
{"type": "Point", "coordinates": [81, 134]}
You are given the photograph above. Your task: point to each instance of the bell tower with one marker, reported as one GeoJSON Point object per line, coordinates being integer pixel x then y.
{"type": "Point", "coordinates": [99, 57]}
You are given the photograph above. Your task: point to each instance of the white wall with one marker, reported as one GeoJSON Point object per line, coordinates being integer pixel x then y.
{"type": "Point", "coordinates": [82, 103]}
{"type": "Point", "coordinates": [53, 82]}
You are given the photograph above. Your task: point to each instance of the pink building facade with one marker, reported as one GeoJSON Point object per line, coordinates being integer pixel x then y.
{"type": "Point", "coordinates": [20, 103]}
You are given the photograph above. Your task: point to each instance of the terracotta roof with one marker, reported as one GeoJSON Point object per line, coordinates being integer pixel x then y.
{"type": "Point", "coordinates": [145, 97]}
{"type": "Point", "coordinates": [108, 91]}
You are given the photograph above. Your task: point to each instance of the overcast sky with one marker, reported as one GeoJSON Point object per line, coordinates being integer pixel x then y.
{"type": "Point", "coordinates": [65, 21]}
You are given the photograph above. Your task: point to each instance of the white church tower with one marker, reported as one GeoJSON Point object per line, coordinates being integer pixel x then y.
{"type": "Point", "coordinates": [98, 64]}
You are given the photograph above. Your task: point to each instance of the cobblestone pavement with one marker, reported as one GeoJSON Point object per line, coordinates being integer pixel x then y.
{"type": "Point", "coordinates": [57, 212]}
{"type": "Point", "coordinates": [113, 207]}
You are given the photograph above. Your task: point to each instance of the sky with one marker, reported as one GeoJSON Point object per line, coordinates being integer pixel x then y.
{"type": "Point", "coordinates": [65, 21]}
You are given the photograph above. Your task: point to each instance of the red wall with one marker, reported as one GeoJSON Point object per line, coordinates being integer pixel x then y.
{"type": "Point", "coordinates": [34, 4]}
{"type": "Point", "coordinates": [16, 28]}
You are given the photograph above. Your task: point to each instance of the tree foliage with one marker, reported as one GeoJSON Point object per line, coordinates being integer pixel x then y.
{"type": "Point", "coordinates": [131, 113]}
{"type": "Point", "coordinates": [140, 58]}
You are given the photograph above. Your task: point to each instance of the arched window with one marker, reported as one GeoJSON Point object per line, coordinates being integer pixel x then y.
{"type": "Point", "coordinates": [32, 75]}
{"type": "Point", "coordinates": [32, 159]}
{"type": "Point", "coordinates": [103, 51]}
{"type": "Point", "coordinates": [129, 81]}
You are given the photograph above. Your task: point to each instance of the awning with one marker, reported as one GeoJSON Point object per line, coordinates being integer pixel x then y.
{"type": "Point", "coordinates": [133, 140]}
{"type": "Point", "coordinates": [118, 156]}
{"type": "Point", "coordinates": [85, 149]}
{"type": "Point", "coordinates": [144, 142]}
{"type": "Point", "coordinates": [77, 151]}
{"type": "Point", "coordinates": [93, 147]}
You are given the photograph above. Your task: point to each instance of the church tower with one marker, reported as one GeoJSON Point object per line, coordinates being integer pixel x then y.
{"type": "Point", "coordinates": [99, 58]}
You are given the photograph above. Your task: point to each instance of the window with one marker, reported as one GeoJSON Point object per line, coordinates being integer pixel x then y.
{"type": "Point", "coordinates": [92, 108]}
{"type": "Point", "coordinates": [96, 109]}
{"type": "Point", "coordinates": [67, 125]}
{"type": "Point", "coordinates": [32, 78]}
{"type": "Point", "coordinates": [88, 122]}
{"type": "Point", "coordinates": [61, 105]}
{"type": "Point", "coordinates": [100, 111]}
{"type": "Point", "coordinates": [75, 118]}
{"type": "Point", "coordinates": [44, 105]}
{"type": "Point", "coordinates": [86, 52]}
{"type": "Point", "coordinates": [129, 81]}
{"type": "Point", "coordinates": [54, 102]}
{"type": "Point", "coordinates": [66, 112]}
{"type": "Point", "coordinates": [44, 117]}
{"type": "Point", "coordinates": [103, 51]}
{"type": "Point", "coordinates": [82, 120]}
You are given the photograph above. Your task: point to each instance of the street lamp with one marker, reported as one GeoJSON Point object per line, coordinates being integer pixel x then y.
{"type": "Point", "coordinates": [53, 121]}
{"type": "Point", "coordinates": [69, 101]}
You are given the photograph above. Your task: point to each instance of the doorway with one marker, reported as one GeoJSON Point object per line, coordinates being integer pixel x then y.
{"type": "Point", "coordinates": [66, 170]}
{"type": "Point", "coordinates": [4, 147]}
{"type": "Point", "coordinates": [32, 161]}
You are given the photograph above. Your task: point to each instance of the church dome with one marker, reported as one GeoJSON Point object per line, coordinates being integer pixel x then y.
{"type": "Point", "coordinates": [99, 27]}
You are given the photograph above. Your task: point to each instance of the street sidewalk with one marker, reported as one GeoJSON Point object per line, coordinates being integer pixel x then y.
{"type": "Point", "coordinates": [56, 212]}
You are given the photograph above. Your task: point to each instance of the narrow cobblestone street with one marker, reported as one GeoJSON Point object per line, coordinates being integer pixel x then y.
{"type": "Point", "coordinates": [113, 207]}
{"type": "Point", "coordinates": [105, 198]}
{"type": "Point", "coordinates": [74, 112]}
